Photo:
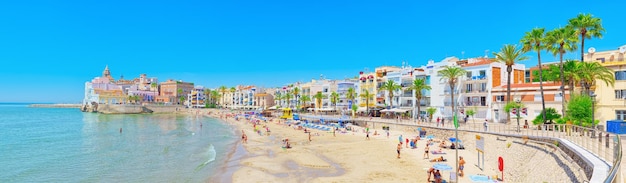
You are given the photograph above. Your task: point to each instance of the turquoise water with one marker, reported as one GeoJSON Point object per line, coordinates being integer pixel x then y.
{"type": "Point", "coordinates": [66, 145]}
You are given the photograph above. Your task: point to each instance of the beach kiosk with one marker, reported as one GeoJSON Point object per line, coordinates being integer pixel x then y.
{"type": "Point", "coordinates": [287, 113]}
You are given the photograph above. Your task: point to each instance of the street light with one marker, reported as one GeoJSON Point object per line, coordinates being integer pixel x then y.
{"type": "Point", "coordinates": [593, 111]}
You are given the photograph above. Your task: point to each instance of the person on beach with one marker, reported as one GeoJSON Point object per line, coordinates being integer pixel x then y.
{"type": "Point", "coordinates": [334, 133]}
{"type": "Point", "coordinates": [438, 121]}
{"type": "Point", "coordinates": [426, 151]}
{"type": "Point", "coordinates": [387, 133]}
{"type": "Point", "coordinates": [485, 124]}
{"type": "Point", "coordinates": [439, 159]}
{"type": "Point", "coordinates": [430, 171]}
{"type": "Point", "coordinates": [309, 136]}
{"type": "Point", "coordinates": [398, 149]}
{"type": "Point", "coordinates": [461, 165]}
{"type": "Point", "coordinates": [367, 135]}
{"type": "Point", "coordinates": [443, 121]}
{"type": "Point", "coordinates": [244, 137]}
{"type": "Point", "coordinates": [437, 176]}
{"type": "Point", "coordinates": [407, 142]}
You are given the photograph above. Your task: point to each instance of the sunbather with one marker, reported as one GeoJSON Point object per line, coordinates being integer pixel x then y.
{"type": "Point", "coordinates": [439, 159]}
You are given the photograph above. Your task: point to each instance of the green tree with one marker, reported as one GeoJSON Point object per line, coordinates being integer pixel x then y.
{"type": "Point", "coordinates": [215, 96]}
{"type": "Point", "coordinates": [391, 86]}
{"type": "Point", "coordinates": [305, 99]}
{"type": "Point", "coordinates": [419, 85]}
{"type": "Point", "coordinates": [587, 27]}
{"type": "Point", "coordinates": [509, 55]}
{"type": "Point", "coordinates": [223, 89]}
{"type": "Point", "coordinates": [287, 96]}
{"type": "Point", "coordinates": [318, 99]}
{"type": "Point", "coordinates": [533, 40]}
{"type": "Point", "coordinates": [578, 110]}
{"type": "Point", "coordinates": [452, 74]}
{"type": "Point", "coordinates": [182, 100]}
{"type": "Point", "coordinates": [180, 94]}
{"type": "Point", "coordinates": [367, 95]}
{"type": "Point", "coordinates": [514, 105]}
{"type": "Point", "coordinates": [559, 41]}
{"type": "Point", "coordinates": [279, 97]}
{"type": "Point", "coordinates": [551, 115]}
{"type": "Point", "coordinates": [334, 97]}
{"type": "Point", "coordinates": [471, 113]}
{"type": "Point", "coordinates": [591, 72]}
{"type": "Point", "coordinates": [296, 95]}
{"type": "Point", "coordinates": [354, 108]}
{"type": "Point", "coordinates": [431, 111]}
{"type": "Point", "coordinates": [350, 95]}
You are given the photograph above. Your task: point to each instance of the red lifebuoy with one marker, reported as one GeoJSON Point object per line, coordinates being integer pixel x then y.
{"type": "Point", "coordinates": [500, 163]}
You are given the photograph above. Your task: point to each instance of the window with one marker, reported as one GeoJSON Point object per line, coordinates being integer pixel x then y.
{"type": "Point", "coordinates": [482, 73]}
{"type": "Point", "coordinates": [620, 75]}
{"type": "Point", "coordinates": [537, 97]}
{"type": "Point", "coordinates": [468, 87]}
{"type": "Point", "coordinates": [469, 74]}
{"type": "Point", "coordinates": [620, 114]}
{"type": "Point", "coordinates": [483, 87]}
{"type": "Point", "coordinates": [620, 94]}
{"type": "Point", "coordinates": [500, 98]}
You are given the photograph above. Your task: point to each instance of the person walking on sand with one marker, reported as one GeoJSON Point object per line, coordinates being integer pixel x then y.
{"type": "Point", "coordinates": [461, 165]}
{"type": "Point", "coordinates": [309, 136]}
{"type": "Point", "coordinates": [426, 151]}
{"type": "Point", "coordinates": [367, 135]}
{"type": "Point", "coordinates": [430, 171]}
{"type": "Point", "coordinates": [398, 149]}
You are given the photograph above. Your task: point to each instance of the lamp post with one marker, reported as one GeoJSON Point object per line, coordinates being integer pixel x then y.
{"type": "Point", "coordinates": [518, 113]}
{"type": "Point", "coordinates": [593, 117]}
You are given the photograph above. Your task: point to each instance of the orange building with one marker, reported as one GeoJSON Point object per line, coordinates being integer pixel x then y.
{"type": "Point", "coordinates": [170, 91]}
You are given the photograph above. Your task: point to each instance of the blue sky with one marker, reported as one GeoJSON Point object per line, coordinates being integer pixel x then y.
{"type": "Point", "coordinates": [48, 49]}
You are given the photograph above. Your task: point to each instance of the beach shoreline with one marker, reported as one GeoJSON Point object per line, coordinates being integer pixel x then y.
{"type": "Point", "coordinates": [350, 157]}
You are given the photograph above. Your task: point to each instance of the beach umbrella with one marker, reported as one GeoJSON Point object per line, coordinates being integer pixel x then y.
{"type": "Point", "coordinates": [453, 140]}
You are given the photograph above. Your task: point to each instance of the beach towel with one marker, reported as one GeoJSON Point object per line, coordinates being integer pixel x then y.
{"type": "Point", "coordinates": [435, 152]}
{"type": "Point", "coordinates": [481, 179]}
{"type": "Point", "coordinates": [442, 167]}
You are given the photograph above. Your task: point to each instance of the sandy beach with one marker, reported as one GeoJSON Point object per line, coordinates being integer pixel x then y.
{"type": "Point", "coordinates": [350, 157]}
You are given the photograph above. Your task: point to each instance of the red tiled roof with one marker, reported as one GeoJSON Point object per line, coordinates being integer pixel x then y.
{"type": "Point", "coordinates": [483, 61]}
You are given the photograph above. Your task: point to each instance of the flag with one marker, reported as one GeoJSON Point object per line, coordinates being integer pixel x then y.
{"type": "Point", "coordinates": [456, 122]}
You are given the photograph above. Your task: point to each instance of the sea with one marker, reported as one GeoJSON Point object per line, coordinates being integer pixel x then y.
{"type": "Point", "coordinates": [67, 145]}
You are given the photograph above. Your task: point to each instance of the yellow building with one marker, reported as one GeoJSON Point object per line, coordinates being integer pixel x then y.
{"type": "Point", "coordinates": [610, 101]}
{"type": "Point", "coordinates": [367, 82]}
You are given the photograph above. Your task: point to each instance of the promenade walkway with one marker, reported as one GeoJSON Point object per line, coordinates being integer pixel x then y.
{"type": "Point", "coordinates": [599, 152]}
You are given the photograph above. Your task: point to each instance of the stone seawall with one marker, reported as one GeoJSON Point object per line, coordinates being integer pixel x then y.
{"type": "Point", "coordinates": [164, 109]}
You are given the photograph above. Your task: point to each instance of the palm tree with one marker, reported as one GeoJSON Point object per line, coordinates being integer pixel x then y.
{"type": "Point", "coordinates": [296, 92]}
{"type": "Point", "coordinates": [509, 55]}
{"type": "Point", "coordinates": [223, 89]}
{"type": "Point", "coordinates": [532, 41]}
{"type": "Point", "coordinates": [367, 95]}
{"type": "Point", "coordinates": [334, 97]}
{"type": "Point", "coordinates": [558, 42]}
{"type": "Point", "coordinates": [215, 95]}
{"type": "Point", "coordinates": [318, 99]}
{"type": "Point", "coordinates": [305, 99]}
{"type": "Point", "coordinates": [207, 93]}
{"type": "Point", "coordinates": [571, 68]}
{"type": "Point", "coordinates": [232, 91]}
{"type": "Point", "coordinates": [590, 72]}
{"type": "Point", "coordinates": [587, 27]}
{"type": "Point", "coordinates": [419, 85]}
{"type": "Point", "coordinates": [287, 97]}
{"type": "Point", "coordinates": [391, 86]}
{"type": "Point", "coordinates": [452, 74]}
{"type": "Point", "coordinates": [351, 94]}
{"type": "Point", "coordinates": [180, 94]}
{"type": "Point", "coordinates": [279, 97]}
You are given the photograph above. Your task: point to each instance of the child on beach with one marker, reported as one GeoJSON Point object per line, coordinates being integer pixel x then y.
{"type": "Point", "coordinates": [461, 165]}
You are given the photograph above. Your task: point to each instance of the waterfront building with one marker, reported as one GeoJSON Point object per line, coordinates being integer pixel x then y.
{"type": "Point", "coordinates": [171, 91]}
{"type": "Point", "coordinates": [367, 82]}
{"type": "Point", "coordinates": [476, 88]}
{"type": "Point", "coordinates": [343, 104]}
{"type": "Point", "coordinates": [197, 98]}
{"type": "Point", "coordinates": [610, 100]}
{"type": "Point", "coordinates": [243, 97]}
{"type": "Point", "coordinates": [528, 94]}
{"type": "Point", "coordinates": [402, 98]}
{"type": "Point", "coordinates": [440, 92]}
